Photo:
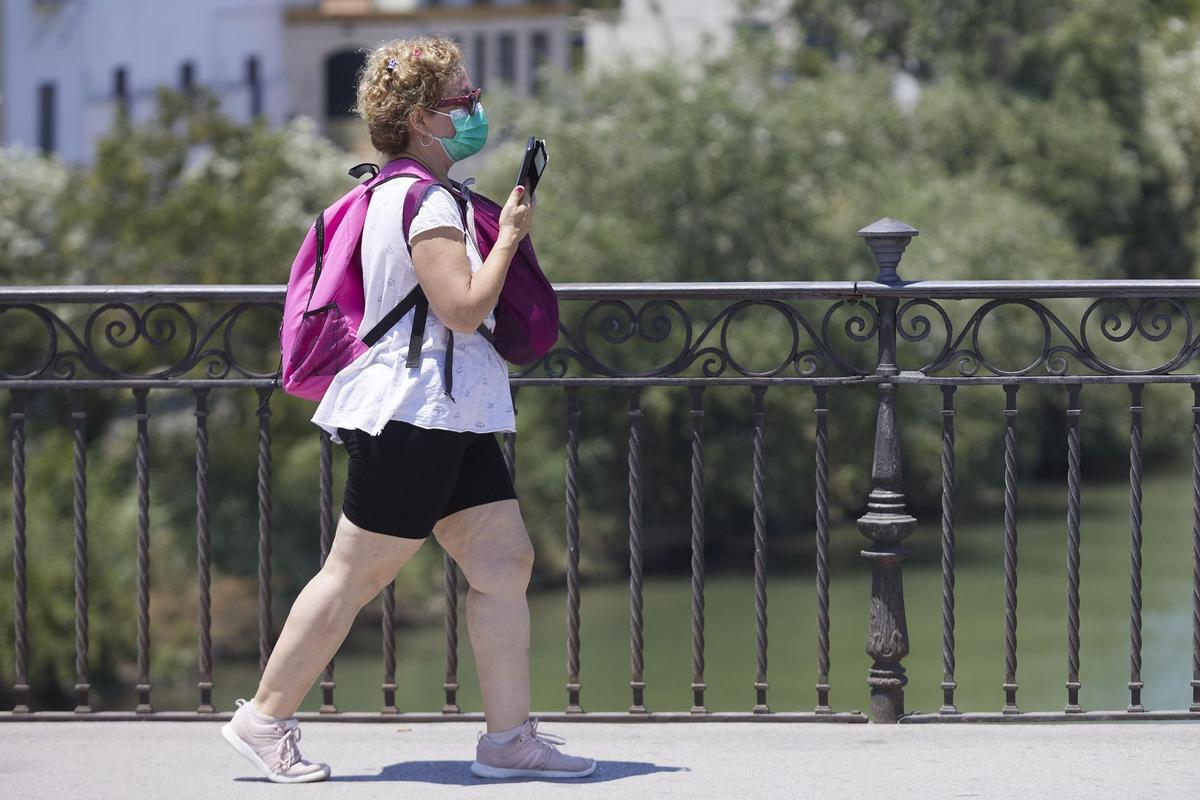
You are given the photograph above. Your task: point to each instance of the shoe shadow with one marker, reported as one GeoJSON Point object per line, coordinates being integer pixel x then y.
{"type": "Point", "coordinates": [458, 773]}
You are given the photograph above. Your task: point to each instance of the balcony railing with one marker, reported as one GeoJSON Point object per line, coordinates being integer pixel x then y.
{"type": "Point", "coordinates": [839, 336]}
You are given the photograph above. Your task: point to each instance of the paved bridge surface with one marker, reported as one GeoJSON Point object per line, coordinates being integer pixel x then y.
{"type": "Point", "coordinates": [166, 760]}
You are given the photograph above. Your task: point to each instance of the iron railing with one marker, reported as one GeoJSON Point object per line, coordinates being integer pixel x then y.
{"type": "Point", "coordinates": [81, 347]}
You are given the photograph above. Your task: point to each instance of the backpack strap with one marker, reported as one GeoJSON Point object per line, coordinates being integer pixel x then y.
{"type": "Point", "coordinates": [319, 228]}
{"type": "Point", "coordinates": [461, 192]}
{"type": "Point", "coordinates": [415, 299]}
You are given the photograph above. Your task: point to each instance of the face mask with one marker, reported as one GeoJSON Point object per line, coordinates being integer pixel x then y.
{"type": "Point", "coordinates": [471, 132]}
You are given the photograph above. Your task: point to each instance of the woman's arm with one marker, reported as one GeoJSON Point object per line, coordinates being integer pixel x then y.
{"type": "Point", "coordinates": [460, 298]}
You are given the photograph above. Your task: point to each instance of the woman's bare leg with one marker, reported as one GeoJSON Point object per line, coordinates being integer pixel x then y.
{"type": "Point", "coordinates": [359, 565]}
{"type": "Point", "coordinates": [491, 545]}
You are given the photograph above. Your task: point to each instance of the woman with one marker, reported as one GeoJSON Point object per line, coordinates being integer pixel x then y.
{"type": "Point", "coordinates": [419, 458]}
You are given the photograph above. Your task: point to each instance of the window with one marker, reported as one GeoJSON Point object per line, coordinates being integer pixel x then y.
{"type": "Point", "coordinates": [578, 53]}
{"type": "Point", "coordinates": [539, 49]}
{"type": "Point", "coordinates": [341, 69]}
{"type": "Point", "coordinates": [254, 86]}
{"type": "Point", "coordinates": [479, 59]}
{"type": "Point", "coordinates": [187, 76]}
{"type": "Point", "coordinates": [121, 89]}
{"type": "Point", "coordinates": [508, 58]}
{"type": "Point", "coordinates": [46, 122]}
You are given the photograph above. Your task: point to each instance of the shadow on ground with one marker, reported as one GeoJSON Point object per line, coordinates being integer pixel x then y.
{"type": "Point", "coordinates": [458, 773]}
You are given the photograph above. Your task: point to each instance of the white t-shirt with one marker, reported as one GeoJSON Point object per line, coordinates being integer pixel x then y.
{"type": "Point", "coordinates": [377, 387]}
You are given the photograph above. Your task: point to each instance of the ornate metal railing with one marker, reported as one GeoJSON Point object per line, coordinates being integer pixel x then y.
{"type": "Point", "coordinates": [835, 334]}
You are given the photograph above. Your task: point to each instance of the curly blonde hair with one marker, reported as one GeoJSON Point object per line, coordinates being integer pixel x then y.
{"type": "Point", "coordinates": [400, 77]}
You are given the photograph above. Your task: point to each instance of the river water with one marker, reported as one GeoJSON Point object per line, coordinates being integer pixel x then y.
{"type": "Point", "coordinates": [730, 661]}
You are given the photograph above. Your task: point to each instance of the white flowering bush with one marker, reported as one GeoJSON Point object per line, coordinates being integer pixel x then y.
{"type": "Point", "coordinates": [32, 225]}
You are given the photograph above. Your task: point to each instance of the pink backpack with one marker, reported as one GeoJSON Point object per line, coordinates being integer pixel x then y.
{"type": "Point", "coordinates": [324, 302]}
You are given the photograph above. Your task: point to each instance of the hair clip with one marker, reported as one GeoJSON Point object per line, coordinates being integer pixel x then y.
{"type": "Point", "coordinates": [391, 64]}
{"type": "Point", "coordinates": [416, 53]}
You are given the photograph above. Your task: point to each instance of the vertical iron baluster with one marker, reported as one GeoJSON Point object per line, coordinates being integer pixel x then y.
{"type": "Point", "coordinates": [572, 503]}
{"type": "Point", "coordinates": [1010, 550]}
{"type": "Point", "coordinates": [264, 527]}
{"type": "Point", "coordinates": [949, 684]}
{"type": "Point", "coordinates": [822, 520]}
{"type": "Point", "coordinates": [698, 684]}
{"type": "Point", "coordinates": [760, 551]}
{"type": "Point", "coordinates": [389, 648]}
{"type": "Point", "coordinates": [1135, 549]}
{"type": "Point", "coordinates": [510, 442]}
{"type": "Point", "coordinates": [203, 555]}
{"type": "Point", "coordinates": [78, 424]}
{"type": "Point", "coordinates": [1073, 480]}
{"type": "Point", "coordinates": [143, 551]}
{"type": "Point", "coordinates": [450, 585]}
{"type": "Point", "coordinates": [886, 523]}
{"type": "Point", "coordinates": [328, 684]}
{"type": "Point", "coordinates": [16, 413]}
{"type": "Point", "coordinates": [637, 682]}
{"type": "Point", "coordinates": [1195, 707]}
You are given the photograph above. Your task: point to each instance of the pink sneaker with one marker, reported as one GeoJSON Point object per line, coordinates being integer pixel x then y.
{"type": "Point", "coordinates": [271, 745]}
{"type": "Point", "coordinates": [528, 754]}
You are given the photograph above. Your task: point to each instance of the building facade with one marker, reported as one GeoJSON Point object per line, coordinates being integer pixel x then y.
{"type": "Point", "coordinates": [504, 42]}
{"type": "Point", "coordinates": [70, 66]}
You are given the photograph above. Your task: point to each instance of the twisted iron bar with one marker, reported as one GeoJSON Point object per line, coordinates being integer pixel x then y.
{"type": "Point", "coordinates": [1010, 550]}
{"type": "Point", "coordinates": [1195, 706]}
{"type": "Point", "coordinates": [265, 626]}
{"type": "Point", "coordinates": [143, 551]}
{"type": "Point", "coordinates": [637, 682]}
{"type": "Point", "coordinates": [572, 508]}
{"type": "Point", "coordinates": [450, 590]}
{"type": "Point", "coordinates": [698, 685]}
{"type": "Point", "coordinates": [948, 653]}
{"type": "Point", "coordinates": [203, 555]}
{"type": "Point", "coordinates": [78, 424]}
{"type": "Point", "coordinates": [760, 550]}
{"type": "Point", "coordinates": [1073, 503]}
{"type": "Point", "coordinates": [822, 521]}
{"type": "Point", "coordinates": [1135, 549]}
{"type": "Point", "coordinates": [328, 684]}
{"type": "Point", "coordinates": [388, 623]}
{"type": "Point", "coordinates": [16, 414]}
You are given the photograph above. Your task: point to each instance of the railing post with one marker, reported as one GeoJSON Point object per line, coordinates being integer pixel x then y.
{"type": "Point", "coordinates": [886, 523]}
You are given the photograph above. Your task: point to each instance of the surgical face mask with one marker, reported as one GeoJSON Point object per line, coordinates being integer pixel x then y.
{"type": "Point", "coordinates": [471, 132]}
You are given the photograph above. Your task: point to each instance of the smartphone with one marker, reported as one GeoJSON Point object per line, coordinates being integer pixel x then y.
{"type": "Point", "coordinates": [533, 164]}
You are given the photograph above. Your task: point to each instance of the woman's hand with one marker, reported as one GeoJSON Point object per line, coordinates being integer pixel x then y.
{"type": "Point", "coordinates": [516, 218]}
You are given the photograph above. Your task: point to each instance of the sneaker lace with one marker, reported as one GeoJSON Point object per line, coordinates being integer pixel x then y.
{"type": "Point", "coordinates": [287, 748]}
{"type": "Point", "coordinates": [546, 739]}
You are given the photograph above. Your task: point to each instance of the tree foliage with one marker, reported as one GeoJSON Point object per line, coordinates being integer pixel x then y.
{"type": "Point", "coordinates": [1057, 139]}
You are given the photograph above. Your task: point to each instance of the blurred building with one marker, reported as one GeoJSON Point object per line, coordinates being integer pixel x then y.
{"type": "Point", "coordinates": [644, 32]}
{"type": "Point", "coordinates": [504, 41]}
{"type": "Point", "coordinates": [68, 66]}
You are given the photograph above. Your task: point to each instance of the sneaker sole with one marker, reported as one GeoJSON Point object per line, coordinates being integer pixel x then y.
{"type": "Point", "coordinates": [251, 756]}
{"type": "Point", "coordinates": [485, 771]}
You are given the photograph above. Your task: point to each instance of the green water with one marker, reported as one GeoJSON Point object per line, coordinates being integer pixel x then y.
{"type": "Point", "coordinates": [730, 661]}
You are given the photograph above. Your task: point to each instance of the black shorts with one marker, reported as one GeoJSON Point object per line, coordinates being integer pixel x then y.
{"type": "Point", "coordinates": [405, 479]}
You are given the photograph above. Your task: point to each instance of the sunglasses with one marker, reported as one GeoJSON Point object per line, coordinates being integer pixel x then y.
{"type": "Point", "coordinates": [470, 101]}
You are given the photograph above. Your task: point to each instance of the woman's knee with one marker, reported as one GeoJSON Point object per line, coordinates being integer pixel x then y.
{"type": "Point", "coordinates": [362, 563]}
{"type": "Point", "coordinates": [354, 583]}
{"type": "Point", "coordinates": [505, 568]}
